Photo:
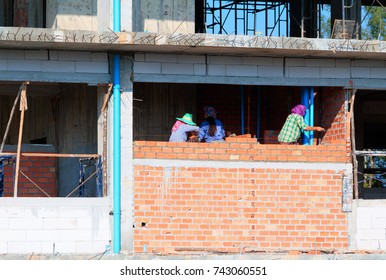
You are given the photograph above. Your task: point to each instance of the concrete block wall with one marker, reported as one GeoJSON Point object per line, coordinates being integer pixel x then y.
{"type": "Point", "coordinates": [50, 65]}
{"type": "Point", "coordinates": [370, 225]}
{"type": "Point", "coordinates": [54, 226]}
{"type": "Point", "coordinates": [260, 67]}
{"type": "Point", "coordinates": [183, 206]}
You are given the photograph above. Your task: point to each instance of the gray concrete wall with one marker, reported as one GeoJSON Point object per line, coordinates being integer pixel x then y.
{"type": "Point", "coordinates": [362, 74]}
{"type": "Point", "coordinates": [72, 14]}
{"type": "Point", "coordinates": [164, 16]}
{"type": "Point", "coordinates": [54, 225]}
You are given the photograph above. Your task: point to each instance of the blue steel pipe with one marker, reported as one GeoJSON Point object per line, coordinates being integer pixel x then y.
{"type": "Point", "coordinates": [311, 96]}
{"type": "Point", "coordinates": [305, 101]}
{"type": "Point", "coordinates": [117, 135]}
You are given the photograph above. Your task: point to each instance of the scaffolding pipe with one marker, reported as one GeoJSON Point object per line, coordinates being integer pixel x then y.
{"type": "Point", "coordinates": [117, 135]}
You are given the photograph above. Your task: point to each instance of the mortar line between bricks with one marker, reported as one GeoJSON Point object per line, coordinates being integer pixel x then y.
{"type": "Point", "coordinates": [243, 164]}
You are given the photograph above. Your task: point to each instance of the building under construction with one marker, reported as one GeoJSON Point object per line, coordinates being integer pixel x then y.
{"type": "Point", "coordinates": [89, 92]}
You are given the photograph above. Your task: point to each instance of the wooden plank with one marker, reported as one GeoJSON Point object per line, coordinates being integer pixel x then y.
{"type": "Point", "coordinates": [353, 145]}
{"type": "Point", "coordinates": [107, 97]}
{"type": "Point", "coordinates": [11, 116]}
{"type": "Point", "coordinates": [52, 155]}
{"type": "Point", "coordinates": [23, 108]}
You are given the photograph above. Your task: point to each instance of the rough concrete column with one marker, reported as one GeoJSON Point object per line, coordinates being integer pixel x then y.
{"type": "Point", "coordinates": [127, 154]}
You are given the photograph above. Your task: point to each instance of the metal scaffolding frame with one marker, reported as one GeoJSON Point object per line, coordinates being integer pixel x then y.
{"type": "Point", "coordinates": [247, 17]}
{"type": "Point", "coordinates": [272, 18]}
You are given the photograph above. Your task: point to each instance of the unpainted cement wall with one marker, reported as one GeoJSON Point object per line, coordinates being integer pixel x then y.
{"type": "Point", "coordinates": [72, 15]}
{"type": "Point", "coordinates": [164, 16]}
{"type": "Point", "coordinates": [259, 70]}
{"type": "Point", "coordinates": [370, 225]}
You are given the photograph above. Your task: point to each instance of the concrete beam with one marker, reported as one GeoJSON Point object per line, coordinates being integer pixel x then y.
{"type": "Point", "coordinates": [35, 38]}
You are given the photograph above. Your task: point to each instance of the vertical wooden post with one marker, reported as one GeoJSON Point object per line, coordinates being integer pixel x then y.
{"type": "Point", "coordinates": [353, 146]}
{"type": "Point", "coordinates": [23, 108]}
{"type": "Point", "coordinates": [104, 153]}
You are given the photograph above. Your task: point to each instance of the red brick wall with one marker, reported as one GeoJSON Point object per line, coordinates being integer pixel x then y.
{"type": "Point", "coordinates": [244, 150]}
{"type": "Point", "coordinates": [238, 210]}
{"type": "Point", "coordinates": [216, 209]}
{"type": "Point", "coordinates": [41, 170]}
{"type": "Point", "coordinates": [332, 115]}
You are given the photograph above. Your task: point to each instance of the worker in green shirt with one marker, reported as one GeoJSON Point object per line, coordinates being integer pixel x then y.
{"type": "Point", "coordinates": [294, 125]}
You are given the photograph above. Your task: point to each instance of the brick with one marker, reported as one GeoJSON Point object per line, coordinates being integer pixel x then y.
{"type": "Point", "coordinates": [378, 73]}
{"type": "Point", "coordinates": [303, 72]}
{"type": "Point", "coordinates": [241, 70]}
{"type": "Point", "coordinates": [58, 66]}
{"type": "Point", "coordinates": [329, 72]}
{"type": "Point", "coordinates": [91, 67]}
{"type": "Point", "coordinates": [147, 68]}
{"type": "Point", "coordinates": [195, 59]}
{"type": "Point", "coordinates": [216, 70]}
{"type": "Point", "coordinates": [36, 54]}
{"type": "Point", "coordinates": [24, 65]}
{"type": "Point", "coordinates": [177, 69]}
{"type": "Point", "coordinates": [223, 60]}
{"type": "Point", "coordinates": [161, 58]}
{"type": "Point", "coordinates": [199, 69]}
{"type": "Point", "coordinates": [270, 71]}
{"type": "Point", "coordinates": [360, 72]}
{"type": "Point", "coordinates": [74, 56]}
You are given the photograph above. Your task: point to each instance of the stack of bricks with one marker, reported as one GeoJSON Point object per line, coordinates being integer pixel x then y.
{"type": "Point", "coordinates": [270, 136]}
{"type": "Point", "coordinates": [40, 170]}
{"type": "Point", "coordinates": [243, 138]}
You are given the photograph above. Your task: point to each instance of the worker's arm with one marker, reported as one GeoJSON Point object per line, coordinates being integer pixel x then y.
{"type": "Point", "coordinates": [315, 128]}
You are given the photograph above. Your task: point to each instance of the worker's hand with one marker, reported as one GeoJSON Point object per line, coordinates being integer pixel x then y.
{"type": "Point", "coordinates": [320, 129]}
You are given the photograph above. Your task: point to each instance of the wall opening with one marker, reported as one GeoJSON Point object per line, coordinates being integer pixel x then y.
{"type": "Point", "coordinates": [259, 111]}
{"type": "Point", "coordinates": [59, 140]}
{"type": "Point", "coordinates": [29, 13]}
{"type": "Point", "coordinates": [370, 132]}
